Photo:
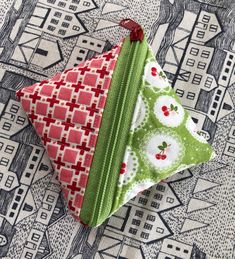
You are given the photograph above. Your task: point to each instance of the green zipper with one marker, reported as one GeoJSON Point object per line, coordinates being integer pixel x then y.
{"type": "Point", "coordinates": [113, 134]}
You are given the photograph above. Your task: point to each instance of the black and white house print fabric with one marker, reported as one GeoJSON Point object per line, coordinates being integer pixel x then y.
{"type": "Point", "coordinates": [188, 216]}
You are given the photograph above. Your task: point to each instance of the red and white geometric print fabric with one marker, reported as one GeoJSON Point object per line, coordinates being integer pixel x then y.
{"type": "Point", "coordinates": [66, 112]}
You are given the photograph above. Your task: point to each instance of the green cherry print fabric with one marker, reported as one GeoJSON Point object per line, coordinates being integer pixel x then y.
{"type": "Point", "coordinates": [163, 138]}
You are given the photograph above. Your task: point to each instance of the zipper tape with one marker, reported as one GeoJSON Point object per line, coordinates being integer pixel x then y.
{"type": "Point", "coordinates": [117, 116]}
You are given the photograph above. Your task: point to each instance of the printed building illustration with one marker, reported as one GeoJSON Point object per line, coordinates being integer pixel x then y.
{"type": "Point", "coordinates": [193, 83]}
{"type": "Point", "coordinates": [32, 49]}
{"type": "Point", "coordinates": [73, 6]}
{"type": "Point", "coordinates": [142, 220]}
{"type": "Point", "coordinates": [230, 143]}
{"type": "Point", "coordinates": [8, 179]}
{"type": "Point", "coordinates": [173, 249]}
{"type": "Point", "coordinates": [57, 22]}
{"type": "Point", "coordinates": [12, 119]}
{"type": "Point", "coordinates": [85, 48]}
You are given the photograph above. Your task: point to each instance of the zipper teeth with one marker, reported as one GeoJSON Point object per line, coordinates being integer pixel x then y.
{"type": "Point", "coordinates": [112, 144]}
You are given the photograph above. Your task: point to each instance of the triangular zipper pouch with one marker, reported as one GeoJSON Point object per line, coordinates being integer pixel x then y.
{"type": "Point", "coordinates": [112, 127]}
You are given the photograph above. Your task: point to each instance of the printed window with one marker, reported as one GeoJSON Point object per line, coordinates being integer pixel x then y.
{"type": "Point", "coordinates": [144, 235]}
{"type": "Point", "coordinates": [226, 70]}
{"type": "Point", "coordinates": [158, 196]}
{"type": "Point", "coordinates": [50, 198]}
{"type": "Point", "coordinates": [233, 133]}
{"type": "Point", "coordinates": [46, 206]}
{"type": "Point", "coordinates": [51, 1]}
{"type": "Point", "coordinates": [62, 32]}
{"type": "Point", "coordinates": [200, 34]}
{"type": "Point", "coordinates": [177, 248]}
{"type": "Point", "coordinates": [61, 4]}
{"type": "Point", "coordinates": [50, 28]}
{"type": "Point", "coordinates": [139, 213]}
{"type": "Point", "coordinates": [180, 92]}
{"type": "Point", "coordinates": [229, 63]}
{"type": "Point", "coordinates": [75, 1]}
{"type": "Point", "coordinates": [201, 65]}
{"type": "Point", "coordinates": [1, 145]}
{"type": "Point", "coordinates": [206, 18]}
{"type": "Point", "coordinates": [231, 149]}
{"type": "Point", "coordinates": [86, 3]}
{"type": "Point", "coordinates": [9, 149]}
{"type": "Point", "coordinates": [1, 176]}
{"type": "Point", "coordinates": [146, 193]}
{"type": "Point", "coordinates": [28, 255]}
{"type": "Point", "coordinates": [151, 217]}
{"type": "Point", "coordinates": [224, 78]}
{"type": "Point", "coordinates": [142, 201]}
{"type": "Point", "coordinates": [160, 230]}
{"type": "Point", "coordinates": [205, 54]}
{"type": "Point", "coordinates": [219, 91]}
{"type": "Point", "coordinates": [6, 126]}
{"type": "Point", "coordinates": [82, 51]}
{"type": "Point", "coordinates": [14, 108]}
{"type": "Point", "coordinates": [212, 112]}
{"type": "Point", "coordinates": [170, 246]}
{"type": "Point", "coordinates": [65, 24]}
{"type": "Point", "coordinates": [4, 161]}
{"type": "Point", "coordinates": [57, 14]}
{"type": "Point", "coordinates": [9, 181]}
{"type": "Point", "coordinates": [54, 21]}
{"type": "Point", "coordinates": [190, 62]}
{"type": "Point", "coordinates": [194, 51]}
{"type": "Point", "coordinates": [231, 56]}
{"type": "Point", "coordinates": [160, 188]}
{"type": "Point", "coordinates": [155, 205]}
{"type": "Point", "coordinates": [208, 82]}
{"type": "Point", "coordinates": [20, 120]}
{"type": "Point", "coordinates": [148, 226]}
{"type": "Point", "coordinates": [136, 222]}
{"type": "Point", "coordinates": [35, 237]}
{"type": "Point", "coordinates": [68, 18]}
{"type": "Point", "coordinates": [35, 158]}
{"type": "Point", "coordinates": [213, 28]}
{"type": "Point", "coordinates": [76, 28]}
{"type": "Point", "coordinates": [195, 120]}
{"type": "Point", "coordinates": [133, 231]}
{"type": "Point", "coordinates": [43, 215]}
{"type": "Point", "coordinates": [27, 175]}
{"type": "Point", "coordinates": [15, 205]}
{"type": "Point", "coordinates": [215, 104]}
{"type": "Point", "coordinates": [197, 79]}
{"type": "Point", "coordinates": [190, 96]}
{"type": "Point", "coordinates": [73, 7]}
{"type": "Point", "coordinates": [56, 211]}
{"type": "Point", "coordinates": [169, 200]}
{"type": "Point", "coordinates": [185, 251]}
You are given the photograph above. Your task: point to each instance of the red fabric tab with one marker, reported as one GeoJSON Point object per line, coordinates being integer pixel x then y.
{"type": "Point", "coordinates": [137, 32]}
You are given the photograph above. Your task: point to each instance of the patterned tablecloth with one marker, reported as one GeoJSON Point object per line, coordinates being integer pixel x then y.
{"type": "Point", "coordinates": [188, 216]}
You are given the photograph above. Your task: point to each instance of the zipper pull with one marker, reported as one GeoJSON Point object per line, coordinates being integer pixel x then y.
{"type": "Point", "coordinates": [137, 32]}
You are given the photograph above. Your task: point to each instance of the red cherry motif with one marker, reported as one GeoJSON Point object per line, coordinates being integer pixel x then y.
{"type": "Point", "coordinates": [158, 156]}
{"type": "Point", "coordinates": [166, 110]}
{"type": "Point", "coordinates": [123, 168]}
{"type": "Point", "coordinates": [153, 71]}
{"type": "Point", "coordinates": [162, 155]}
